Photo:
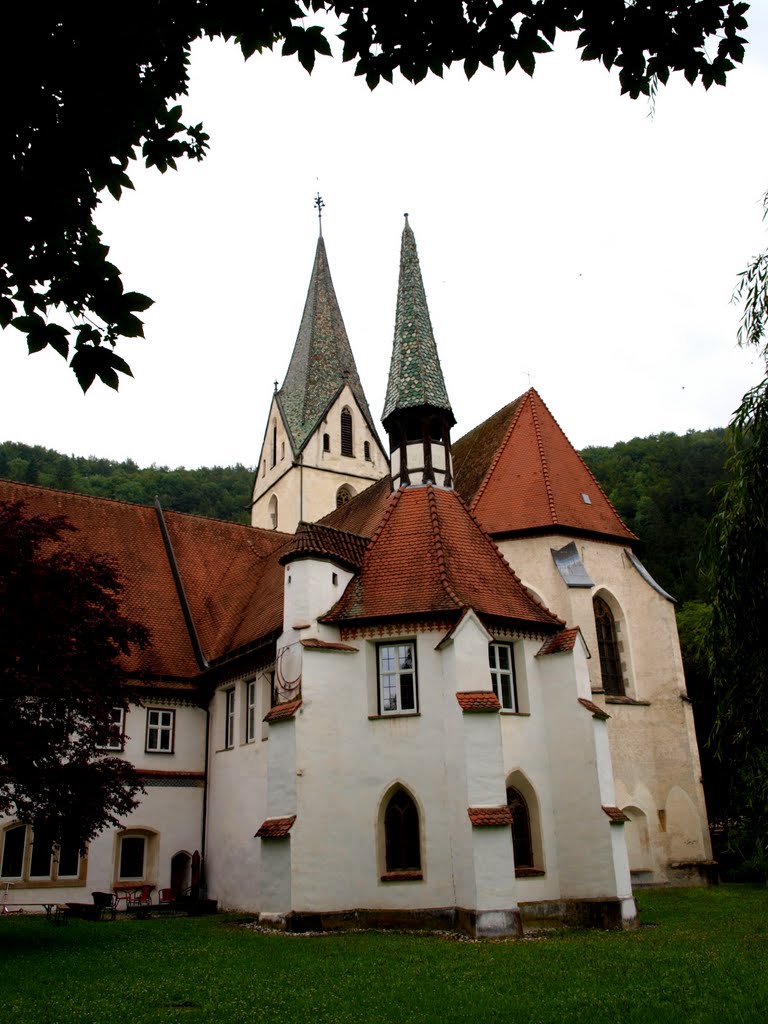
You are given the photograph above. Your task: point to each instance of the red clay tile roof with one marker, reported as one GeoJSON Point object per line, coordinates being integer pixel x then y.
{"type": "Point", "coordinates": [430, 556]}
{"type": "Point", "coordinates": [326, 645]}
{"type": "Point", "coordinates": [530, 477]}
{"type": "Point", "coordinates": [615, 814]}
{"type": "Point", "coordinates": [223, 566]}
{"type": "Point", "coordinates": [597, 711]}
{"type": "Point", "coordinates": [275, 828]}
{"type": "Point", "coordinates": [363, 513]}
{"type": "Point", "coordinates": [478, 700]}
{"type": "Point", "coordinates": [562, 641]}
{"type": "Point", "coordinates": [314, 540]}
{"type": "Point", "coordinates": [280, 712]}
{"type": "Point", "coordinates": [485, 817]}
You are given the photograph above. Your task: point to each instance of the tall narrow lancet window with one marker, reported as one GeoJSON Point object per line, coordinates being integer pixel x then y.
{"type": "Point", "coordinates": [274, 443]}
{"type": "Point", "coordinates": [521, 828]}
{"type": "Point", "coordinates": [608, 648]}
{"type": "Point", "coordinates": [273, 512]}
{"type": "Point", "coordinates": [401, 833]}
{"type": "Point", "coordinates": [346, 432]}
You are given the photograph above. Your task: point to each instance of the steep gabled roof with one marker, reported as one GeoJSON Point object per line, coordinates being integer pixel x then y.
{"type": "Point", "coordinates": [415, 374]}
{"type": "Point", "coordinates": [322, 361]}
{"type": "Point", "coordinates": [430, 557]}
{"type": "Point", "coordinates": [231, 574]}
{"type": "Point", "coordinates": [520, 473]}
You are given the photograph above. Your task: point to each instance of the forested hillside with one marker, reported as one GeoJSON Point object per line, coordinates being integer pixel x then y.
{"type": "Point", "coordinates": [664, 488]}
{"type": "Point", "coordinates": [219, 492]}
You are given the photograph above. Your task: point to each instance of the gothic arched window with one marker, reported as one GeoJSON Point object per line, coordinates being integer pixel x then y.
{"type": "Point", "coordinates": [521, 828]}
{"type": "Point", "coordinates": [401, 833]}
{"type": "Point", "coordinates": [346, 432]}
{"type": "Point", "coordinates": [608, 648]}
{"type": "Point", "coordinates": [343, 495]}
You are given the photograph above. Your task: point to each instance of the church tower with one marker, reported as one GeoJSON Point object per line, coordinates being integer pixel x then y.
{"type": "Point", "coordinates": [417, 413]}
{"type": "Point", "coordinates": [320, 447]}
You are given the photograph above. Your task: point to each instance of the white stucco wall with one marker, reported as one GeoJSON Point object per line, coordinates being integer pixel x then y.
{"type": "Point", "coordinates": [306, 489]}
{"type": "Point", "coordinates": [653, 745]}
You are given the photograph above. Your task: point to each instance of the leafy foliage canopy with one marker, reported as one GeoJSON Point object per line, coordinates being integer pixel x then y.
{"type": "Point", "coordinates": [89, 96]}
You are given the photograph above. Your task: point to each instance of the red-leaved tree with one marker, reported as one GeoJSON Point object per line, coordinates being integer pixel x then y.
{"type": "Point", "coordinates": [62, 632]}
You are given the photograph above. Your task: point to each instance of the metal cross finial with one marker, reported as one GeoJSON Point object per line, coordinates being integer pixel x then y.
{"type": "Point", "coordinates": [275, 387]}
{"type": "Point", "coordinates": [319, 204]}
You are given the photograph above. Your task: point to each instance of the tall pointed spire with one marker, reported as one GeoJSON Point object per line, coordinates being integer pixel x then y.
{"type": "Point", "coordinates": [417, 412]}
{"type": "Point", "coordinates": [322, 361]}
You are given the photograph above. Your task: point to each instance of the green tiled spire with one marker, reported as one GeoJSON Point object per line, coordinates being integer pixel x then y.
{"type": "Point", "coordinates": [415, 376]}
{"type": "Point", "coordinates": [322, 360]}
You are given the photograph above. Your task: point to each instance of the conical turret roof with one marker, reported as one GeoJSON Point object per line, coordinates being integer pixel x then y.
{"type": "Point", "coordinates": [322, 361]}
{"type": "Point", "coordinates": [415, 375]}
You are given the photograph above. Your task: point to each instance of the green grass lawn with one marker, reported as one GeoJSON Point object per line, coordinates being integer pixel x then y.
{"type": "Point", "coordinates": [702, 955]}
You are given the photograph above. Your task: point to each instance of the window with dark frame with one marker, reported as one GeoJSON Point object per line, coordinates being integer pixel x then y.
{"type": "Point", "coordinates": [132, 857]}
{"type": "Point", "coordinates": [347, 447]}
{"type": "Point", "coordinates": [398, 693]}
{"type": "Point", "coordinates": [608, 649]}
{"type": "Point", "coordinates": [501, 658]}
{"type": "Point", "coordinates": [401, 834]}
{"type": "Point", "coordinates": [326, 442]}
{"type": "Point", "coordinates": [343, 495]}
{"type": "Point", "coordinates": [160, 728]}
{"type": "Point", "coordinates": [367, 450]}
{"type": "Point", "coordinates": [522, 843]}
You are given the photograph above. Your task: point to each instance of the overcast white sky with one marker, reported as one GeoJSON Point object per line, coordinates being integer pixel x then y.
{"type": "Point", "coordinates": [565, 238]}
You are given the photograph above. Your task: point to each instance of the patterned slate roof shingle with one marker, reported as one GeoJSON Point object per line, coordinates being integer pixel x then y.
{"type": "Point", "coordinates": [478, 700]}
{"type": "Point", "coordinates": [322, 361]}
{"type": "Point", "coordinates": [430, 556]}
{"type": "Point", "coordinates": [415, 375]}
{"type": "Point", "coordinates": [529, 476]}
{"type": "Point", "coordinates": [490, 817]}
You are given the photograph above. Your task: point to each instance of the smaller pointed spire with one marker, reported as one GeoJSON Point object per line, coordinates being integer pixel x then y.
{"type": "Point", "coordinates": [415, 374]}
{"type": "Point", "coordinates": [417, 413]}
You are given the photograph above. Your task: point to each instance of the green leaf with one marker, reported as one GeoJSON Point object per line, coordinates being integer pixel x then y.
{"type": "Point", "coordinates": [527, 62]}
{"type": "Point", "coordinates": [137, 301]}
{"type": "Point", "coordinates": [33, 322]}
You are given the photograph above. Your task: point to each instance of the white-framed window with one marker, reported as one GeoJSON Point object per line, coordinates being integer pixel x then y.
{"type": "Point", "coordinates": [160, 730]}
{"type": "Point", "coordinates": [115, 736]}
{"type": "Point", "coordinates": [29, 855]}
{"type": "Point", "coordinates": [229, 718]}
{"type": "Point", "coordinates": [501, 658]}
{"type": "Point", "coordinates": [136, 855]}
{"type": "Point", "coordinates": [398, 692]}
{"type": "Point", "coordinates": [251, 717]}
